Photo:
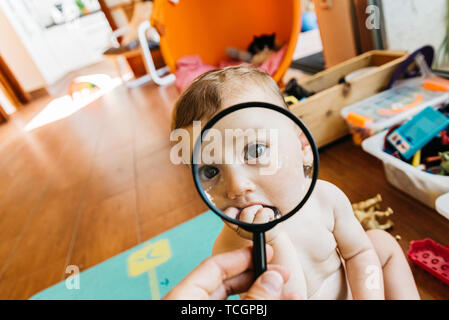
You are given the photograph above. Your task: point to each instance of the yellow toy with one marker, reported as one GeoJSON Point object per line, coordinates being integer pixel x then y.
{"type": "Point", "coordinates": [368, 212]}
{"type": "Point", "coordinates": [290, 100]}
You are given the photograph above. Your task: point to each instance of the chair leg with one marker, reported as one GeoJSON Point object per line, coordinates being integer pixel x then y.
{"type": "Point", "coordinates": [144, 79]}
{"type": "Point", "coordinates": [154, 74]}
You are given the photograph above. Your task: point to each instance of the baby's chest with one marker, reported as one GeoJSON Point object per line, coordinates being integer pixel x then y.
{"type": "Point", "coordinates": [310, 232]}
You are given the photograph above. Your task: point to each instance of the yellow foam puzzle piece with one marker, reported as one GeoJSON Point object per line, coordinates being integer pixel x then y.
{"type": "Point", "coordinates": [148, 257]}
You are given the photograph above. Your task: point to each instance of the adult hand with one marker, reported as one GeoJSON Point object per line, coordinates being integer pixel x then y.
{"type": "Point", "coordinates": [230, 273]}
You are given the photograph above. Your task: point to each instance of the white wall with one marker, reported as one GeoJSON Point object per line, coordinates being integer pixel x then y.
{"type": "Point", "coordinates": [18, 58]}
{"type": "Point", "coordinates": [32, 36]}
{"type": "Point", "coordinates": [410, 24]}
{"type": "Point", "coordinates": [57, 50]}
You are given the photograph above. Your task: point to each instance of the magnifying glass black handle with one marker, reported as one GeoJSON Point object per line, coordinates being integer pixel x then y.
{"type": "Point", "coordinates": [259, 254]}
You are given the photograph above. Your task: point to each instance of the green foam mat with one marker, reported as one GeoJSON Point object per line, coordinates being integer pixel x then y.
{"type": "Point", "coordinates": [147, 271]}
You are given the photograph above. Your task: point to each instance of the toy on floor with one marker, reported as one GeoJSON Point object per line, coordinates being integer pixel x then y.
{"type": "Point", "coordinates": [81, 88]}
{"type": "Point", "coordinates": [87, 85]}
{"type": "Point", "coordinates": [432, 257]}
{"type": "Point", "coordinates": [368, 212]}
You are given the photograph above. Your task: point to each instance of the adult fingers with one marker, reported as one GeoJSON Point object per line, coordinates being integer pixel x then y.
{"type": "Point", "coordinates": [242, 282]}
{"type": "Point", "coordinates": [209, 276]}
{"type": "Point", "coordinates": [267, 287]}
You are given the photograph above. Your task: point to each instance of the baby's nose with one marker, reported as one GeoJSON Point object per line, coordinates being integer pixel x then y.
{"type": "Point", "coordinates": [238, 184]}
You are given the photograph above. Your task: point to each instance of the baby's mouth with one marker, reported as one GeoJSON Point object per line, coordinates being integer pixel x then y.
{"type": "Point", "coordinates": [276, 211]}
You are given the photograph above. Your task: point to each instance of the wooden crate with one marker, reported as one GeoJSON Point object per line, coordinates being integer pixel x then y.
{"type": "Point", "coordinates": [321, 112]}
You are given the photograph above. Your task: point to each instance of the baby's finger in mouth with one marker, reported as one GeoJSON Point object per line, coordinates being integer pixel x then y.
{"type": "Point", "coordinates": [264, 215]}
{"type": "Point", "coordinates": [232, 212]}
{"type": "Point", "coordinates": [248, 214]}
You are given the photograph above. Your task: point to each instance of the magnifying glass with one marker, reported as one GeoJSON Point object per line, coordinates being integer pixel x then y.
{"type": "Point", "coordinates": [255, 165]}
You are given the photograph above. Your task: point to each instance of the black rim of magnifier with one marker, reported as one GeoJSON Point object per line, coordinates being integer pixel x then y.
{"type": "Point", "coordinates": [244, 225]}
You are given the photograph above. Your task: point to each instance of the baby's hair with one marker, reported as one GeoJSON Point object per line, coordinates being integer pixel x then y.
{"type": "Point", "coordinates": [203, 97]}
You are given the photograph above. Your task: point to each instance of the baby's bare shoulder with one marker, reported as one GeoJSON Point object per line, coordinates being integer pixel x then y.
{"type": "Point", "coordinates": [335, 199]}
{"type": "Point", "coordinates": [332, 197]}
{"type": "Point", "coordinates": [328, 192]}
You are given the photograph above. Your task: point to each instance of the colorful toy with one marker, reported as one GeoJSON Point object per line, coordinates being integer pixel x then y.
{"type": "Point", "coordinates": [290, 100]}
{"type": "Point", "coordinates": [82, 87]}
{"type": "Point", "coordinates": [367, 212]}
{"type": "Point", "coordinates": [383, 110]}
{"type": "Point", "coordinates": [436, 83]}
{"type": "Point", "coordinates": [432, 257]}
{"type": "Point", "coordinates": [431, 81]}
{"type": "Point", "coordinates": [417, 132]}
{"type": "Point", "coordinates": [90, 84]}
{"type": "Point", "coordinates": [444, 162]}
{"type": "Point", "coordinates": [444, 138]}
{"type": "Point", "coordinates": [417, 159]}
{"type": "Point", "coordinates": [367, 117]}
{"type": "Point", "coordinates": [309, 21]}
{"type": "Point", "coordinates": [292, 88]}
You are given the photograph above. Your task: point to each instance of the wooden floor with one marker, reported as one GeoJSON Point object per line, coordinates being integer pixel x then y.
{"type": "Point", "coordinates": [87, 187]}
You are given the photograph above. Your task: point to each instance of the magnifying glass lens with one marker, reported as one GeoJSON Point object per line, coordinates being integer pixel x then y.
{"type": "Point", "coordinates": [256, 165]}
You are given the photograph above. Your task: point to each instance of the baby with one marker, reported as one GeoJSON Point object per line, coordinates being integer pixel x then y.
{"type": "Point", "coordinates": [323, 245]}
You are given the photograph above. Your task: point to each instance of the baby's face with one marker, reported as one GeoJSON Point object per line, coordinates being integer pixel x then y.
{"type": "Point", "coordinates": [266, 168]}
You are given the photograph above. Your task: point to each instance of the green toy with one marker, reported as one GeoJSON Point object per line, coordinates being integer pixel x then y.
{"type": "Point", "coordinates": [444, 163]}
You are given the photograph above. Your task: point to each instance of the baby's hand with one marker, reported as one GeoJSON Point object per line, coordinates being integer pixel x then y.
{"type": "Point", "coordinates": [256, 214]}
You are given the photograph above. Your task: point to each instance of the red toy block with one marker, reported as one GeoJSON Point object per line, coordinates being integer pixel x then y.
{"type": "Point", "coordinates": [430, 256]}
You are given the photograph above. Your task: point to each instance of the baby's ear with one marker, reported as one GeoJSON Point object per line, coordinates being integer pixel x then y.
{"type": "Point", "coordinates": [306, 150]}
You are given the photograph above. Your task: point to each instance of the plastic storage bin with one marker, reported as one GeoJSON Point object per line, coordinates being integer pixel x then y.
{"type": "Point", "coordinates": [442, 205]}
{"type": "Point", "coordinates": [423, 186]}
{"type": "Point", "coordinates": [376, 113]}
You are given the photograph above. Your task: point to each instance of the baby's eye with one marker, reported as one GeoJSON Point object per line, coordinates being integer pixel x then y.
{"type": "Point", "coordinates": [208, 172]}
{"type": "Point", "coordinates": [254, 151]}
